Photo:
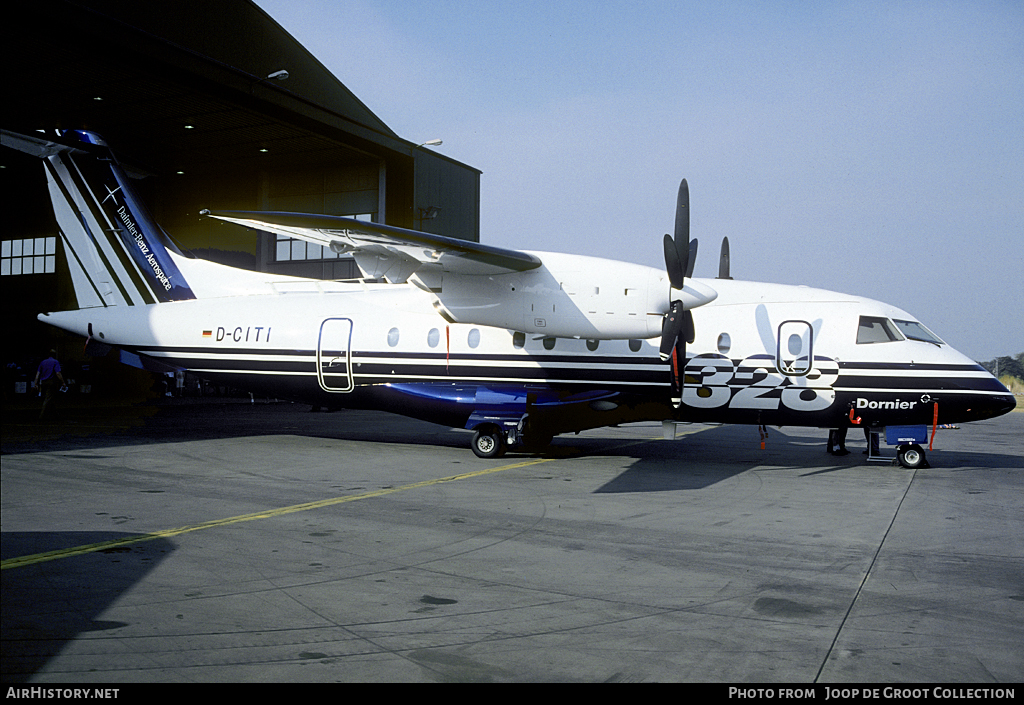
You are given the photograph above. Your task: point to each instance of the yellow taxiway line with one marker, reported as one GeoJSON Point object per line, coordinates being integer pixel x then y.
{"type": "Point", "coordinates": [21, 561]}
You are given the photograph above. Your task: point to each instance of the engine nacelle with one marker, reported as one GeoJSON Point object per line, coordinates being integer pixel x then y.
{"type": "Point", "coordinates": [569, 296]}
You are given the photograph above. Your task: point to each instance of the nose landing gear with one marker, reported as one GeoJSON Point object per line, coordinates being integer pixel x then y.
{"type": "Point", "coordinates": [907, 440]}
{"type": "Point", "coordinates": [911, 456]}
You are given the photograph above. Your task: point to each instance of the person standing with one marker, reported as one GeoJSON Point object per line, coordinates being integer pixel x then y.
{"type": "Point", "coordinates": [837, 441]}
{"type": "Point", "coordinates": [48, 380]}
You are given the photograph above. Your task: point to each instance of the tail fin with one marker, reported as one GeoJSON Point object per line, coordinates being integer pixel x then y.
{"type": "Point", "coordinates": [117, 254]}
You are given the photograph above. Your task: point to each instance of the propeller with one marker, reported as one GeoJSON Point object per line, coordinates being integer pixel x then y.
{"type": "Point", "coordinates": [723, 260]}
{"type": "Point", "coordinates": [680, 256]}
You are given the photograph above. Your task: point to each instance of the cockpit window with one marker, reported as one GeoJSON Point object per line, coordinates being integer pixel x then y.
{"type": "Point", "coordinates": [873, 329]}
{"type": "Point", "coordinates": [916, 331]}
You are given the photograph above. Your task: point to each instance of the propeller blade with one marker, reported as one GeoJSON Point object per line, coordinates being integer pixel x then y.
{"type": "Point", "coordinates": [676, 269]}
{"type": "Point", "coordinates": [678, 361]}
{"type": "Point", "coordinates": [682, 231]}
{"type": "Point", "coordinates": [679, 358]}
{"type": "Point", "coordinates": [671, 329]}
{"type": "Point", "coordinates": [683, 253]}
{"type": "Point", "coordinates": [683, 213]}
{"type": "Point", "coordinates": [680, 252]}
{"type": "Point", "coordinates": [691, 258]}
{"type": "Point", "coordinates": [723, 260]}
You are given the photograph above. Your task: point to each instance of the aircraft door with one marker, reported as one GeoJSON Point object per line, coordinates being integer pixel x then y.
{"type": "Point", "coordinates": [334, 355]}
{"type": "Point", "coordinates": [794, 353]}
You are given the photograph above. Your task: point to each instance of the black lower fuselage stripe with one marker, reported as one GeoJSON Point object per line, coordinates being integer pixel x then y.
{"type": "Point", "coordinates": [380, 368]}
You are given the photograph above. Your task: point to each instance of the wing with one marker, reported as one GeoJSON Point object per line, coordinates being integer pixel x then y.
{"type": "Point", "coordinates": [385, 251]}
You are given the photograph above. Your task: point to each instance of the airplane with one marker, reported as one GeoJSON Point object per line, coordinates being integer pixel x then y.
{"type": "Point", "coordinates": [515, 346]}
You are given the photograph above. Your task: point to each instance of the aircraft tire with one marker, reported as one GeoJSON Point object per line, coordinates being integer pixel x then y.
{"type": "Point", "coordinates": [489, 442]}
{"type": "Point", "coordinates": [911, 456]}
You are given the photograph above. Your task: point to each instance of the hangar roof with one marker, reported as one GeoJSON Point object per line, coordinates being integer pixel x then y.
{"type": "Point", "coordinates": [183, 85]}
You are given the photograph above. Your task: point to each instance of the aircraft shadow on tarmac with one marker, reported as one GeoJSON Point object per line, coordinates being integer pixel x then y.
{"type": "Point", "coordinates": [689, 462]}
{"type": "Point", "coordinates": [968, 460]}
{"type": "Point", "coordinates": [47, 604]}
{"type": "Point", "coordinates": [715, 454]}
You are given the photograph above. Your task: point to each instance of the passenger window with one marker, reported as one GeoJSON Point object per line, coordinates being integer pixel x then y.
{"type": "Point", "coordinates": [873, 329]}
{"type": "Point", "coordinates": [433, 337]}
{"type": "Point", "coordinates": [518, 340]}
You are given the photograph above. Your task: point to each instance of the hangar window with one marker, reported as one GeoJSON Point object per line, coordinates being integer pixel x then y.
{"type": "Point", "coordinates": [873, 329]}
{"type": "Point", "coordinates": [29, 256]}
{"type": "Point", "coordinates": [288, 249]}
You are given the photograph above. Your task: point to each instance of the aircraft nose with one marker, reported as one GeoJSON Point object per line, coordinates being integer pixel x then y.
{"type": "Point", "coordinates": [1008, 405]}
{"type": "Point", "coordinates": [998, 404]}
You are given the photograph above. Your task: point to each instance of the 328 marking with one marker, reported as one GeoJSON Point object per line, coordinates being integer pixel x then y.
{"type": "Point", "coordinates": [714, 380]}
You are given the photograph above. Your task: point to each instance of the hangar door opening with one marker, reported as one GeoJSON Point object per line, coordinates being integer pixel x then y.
{"type": "Point", "coordinates": [351, 188]}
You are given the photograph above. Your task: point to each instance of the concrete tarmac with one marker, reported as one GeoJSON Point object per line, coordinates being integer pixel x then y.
{"type": "Point", "coordinates": [220, 541]}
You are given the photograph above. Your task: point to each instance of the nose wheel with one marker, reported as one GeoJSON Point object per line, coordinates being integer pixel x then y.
{"type": "Point", "coordinates": [911, 456]}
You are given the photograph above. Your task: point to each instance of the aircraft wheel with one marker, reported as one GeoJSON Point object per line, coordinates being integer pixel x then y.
{"type": "Point", "coordinates": [911, 456]}
{"type": "Point", "coordinates": [489, 442]}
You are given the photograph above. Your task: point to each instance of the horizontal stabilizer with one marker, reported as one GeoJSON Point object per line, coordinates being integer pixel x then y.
{"type": "Point", "coordinates": [116, 253]}
{"type": "Point", "coordinates": [36, 146]}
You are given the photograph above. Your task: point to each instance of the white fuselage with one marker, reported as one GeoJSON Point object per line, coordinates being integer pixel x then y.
{"type": "Point", "coordinates": [763, 353]}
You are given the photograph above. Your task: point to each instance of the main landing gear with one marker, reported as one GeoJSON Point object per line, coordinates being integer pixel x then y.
{"type": "Point", "coordinates": [492, 441]}
{"type": "Point", "coordinates": [489, 441]}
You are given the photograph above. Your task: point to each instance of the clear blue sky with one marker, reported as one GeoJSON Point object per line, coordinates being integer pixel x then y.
{"type": "Point", "coordinates": [873, 148]}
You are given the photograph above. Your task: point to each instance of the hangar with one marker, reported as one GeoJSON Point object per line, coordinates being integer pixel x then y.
{"type": "Point", "coordinates": [211, 105]}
